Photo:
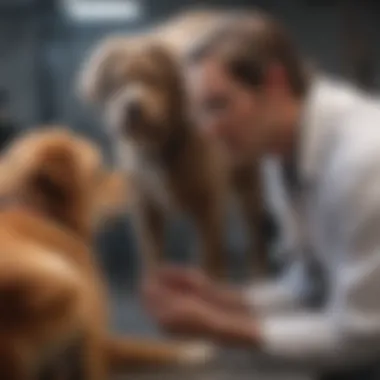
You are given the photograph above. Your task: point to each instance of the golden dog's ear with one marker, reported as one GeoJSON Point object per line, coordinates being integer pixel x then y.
{"type": "Point", "coordinates": [55, 178]}
{"type": "Point", "coordinates": [53, 185]}
{"type": "Point", "coordinates": [100, 72]}
{"type": "Point", "coordinates": [45, 171]}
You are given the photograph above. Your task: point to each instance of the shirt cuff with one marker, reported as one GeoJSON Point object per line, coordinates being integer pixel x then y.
{"type": "Point", "coordinates": [301, 339]}
{"type": "Point", "coordinates": [270, 298]}
{"type": "Point", "coordinates": [281, 295]}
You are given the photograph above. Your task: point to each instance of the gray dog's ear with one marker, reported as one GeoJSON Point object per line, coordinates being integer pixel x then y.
{"type": "Point", "coordinates": [186, 28]}
{"type": "Point", "coordinates": [98, 75]}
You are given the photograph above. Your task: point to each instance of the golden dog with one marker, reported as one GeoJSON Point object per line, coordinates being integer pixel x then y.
{"type": "Point", "coordinates": [55, 191]}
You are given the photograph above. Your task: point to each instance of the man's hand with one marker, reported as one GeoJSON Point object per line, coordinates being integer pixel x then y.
{"type": "Point", "coordinates": [179, 306]}
{"type": "Point", "coordinates": [192, 281]}
{"type": "Point", "coordinates": [181, 313]}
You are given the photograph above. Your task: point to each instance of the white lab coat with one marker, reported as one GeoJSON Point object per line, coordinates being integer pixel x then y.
{"type": "Point", "coordinates": [336, 217]}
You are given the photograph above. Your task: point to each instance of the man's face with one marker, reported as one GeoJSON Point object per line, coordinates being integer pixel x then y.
{"type": "Point", "coordinates": [228, 110]}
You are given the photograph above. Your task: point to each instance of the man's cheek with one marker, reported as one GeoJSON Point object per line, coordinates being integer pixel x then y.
{"type": "Point", "coordinates": [209, 129]}
{"type": "Point", "coordinates": [232, 141]}
{"type": "Point", "coordinates": [217, 127]}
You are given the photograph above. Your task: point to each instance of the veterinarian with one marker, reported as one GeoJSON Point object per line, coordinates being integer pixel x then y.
{"type": "Point", "coordinates": [253, 91]}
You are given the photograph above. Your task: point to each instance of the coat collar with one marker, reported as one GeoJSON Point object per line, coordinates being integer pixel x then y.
{"type": "Point", "coordinates": [327, 101]}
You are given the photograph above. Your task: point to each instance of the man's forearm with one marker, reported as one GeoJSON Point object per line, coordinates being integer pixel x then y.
{"type": "Point", "coordinates": [231, 299]}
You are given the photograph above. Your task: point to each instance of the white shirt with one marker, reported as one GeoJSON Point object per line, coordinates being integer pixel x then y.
{"type": "Point", "coordinates": [338, 218]}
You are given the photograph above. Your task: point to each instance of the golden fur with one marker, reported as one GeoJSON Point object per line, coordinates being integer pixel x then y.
{"type": "Point", "coordinates": [55, 191]}
{"type": "Point", "coordinates": [173, 165]}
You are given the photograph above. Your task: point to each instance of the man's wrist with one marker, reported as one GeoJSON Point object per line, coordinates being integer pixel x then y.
{"type": "Point", "coordinates": [237, 330]}
{"type": "Point", "coordinates": [231, 299]}
{"type": "Point", "coordinates": [237, 298]}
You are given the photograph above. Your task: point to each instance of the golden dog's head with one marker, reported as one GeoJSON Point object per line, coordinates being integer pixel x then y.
{"type": "Point", "coordinates": [138, 82]}
{"type": "Point", "coordinates": [62, 176]}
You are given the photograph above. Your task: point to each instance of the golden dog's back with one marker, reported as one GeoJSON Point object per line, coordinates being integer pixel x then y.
{"type": "Point", "coordinates": [41, 292]}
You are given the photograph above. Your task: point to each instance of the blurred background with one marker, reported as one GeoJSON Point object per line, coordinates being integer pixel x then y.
{"type": "Point", "coordinates": [43, 43]}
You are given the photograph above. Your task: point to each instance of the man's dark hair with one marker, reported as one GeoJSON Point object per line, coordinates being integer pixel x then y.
{"type": "Point", "coordinates": [247, 44]}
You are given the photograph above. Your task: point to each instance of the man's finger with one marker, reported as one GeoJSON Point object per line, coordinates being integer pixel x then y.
{"type": "Point", "coordinates": [182, 278]}
{"type": "Point", "coordinates": [155, 298]}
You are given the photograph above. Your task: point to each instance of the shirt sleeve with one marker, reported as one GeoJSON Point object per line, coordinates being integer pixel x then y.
{"type": "Point", "coordinates": [288, 291]}
{"type": "Point", "coordinates": [348, 329]}
{"type": "Point", "coordinates": [280, 295]}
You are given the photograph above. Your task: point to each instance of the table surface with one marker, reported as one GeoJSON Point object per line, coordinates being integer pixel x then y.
{"type": "Point", "coordinates": [128, 317]}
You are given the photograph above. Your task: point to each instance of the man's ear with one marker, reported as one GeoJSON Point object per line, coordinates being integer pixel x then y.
{"type": "Point", "coordinates": [98, 74]}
